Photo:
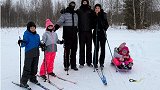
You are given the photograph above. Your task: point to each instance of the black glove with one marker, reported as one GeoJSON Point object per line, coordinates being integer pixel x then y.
{"type": "Point", "coordinates": [56, 27]}
{"type": "Point", "coordinates": [19, 42]}
{"type": "Point", "coordinates": [61, 42]}
{"type": "Point", "coordinates": [43, 46]}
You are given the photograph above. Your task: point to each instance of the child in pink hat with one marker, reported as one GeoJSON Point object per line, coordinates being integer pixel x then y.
{"type": "Point", "coordinates": [51, 40]}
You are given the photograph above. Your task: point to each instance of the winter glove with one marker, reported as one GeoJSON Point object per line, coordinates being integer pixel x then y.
{"type": "Point", "coordinates": [43, 46]}
{"type": "Point", "coordinates": [121, 59]}
{"type": "Point", "coordinates": [56, 27]}
{"type": "Point", "coordinates": [19, 42]}
{"type": "Point", "coordinates": [61, 42]}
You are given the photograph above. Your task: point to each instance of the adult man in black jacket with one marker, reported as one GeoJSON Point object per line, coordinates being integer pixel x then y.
{"type": "Point", "coordinates": [85, 33]}
{"type": "Point", "coordinates": [69, 20]}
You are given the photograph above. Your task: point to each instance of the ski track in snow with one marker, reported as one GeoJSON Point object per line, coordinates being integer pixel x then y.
{"type": "Point", "coordinates": [144, 49]}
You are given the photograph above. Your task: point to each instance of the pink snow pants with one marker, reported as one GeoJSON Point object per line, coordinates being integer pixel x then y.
{"type": "Point", "coordinates": [49, 65]}
{"type": "Point", "coordinates": [117, 62]}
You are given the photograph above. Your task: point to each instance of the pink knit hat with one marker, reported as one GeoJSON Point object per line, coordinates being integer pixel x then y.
{"type": "Point", "coordinates": [122, 45]}
{"type": "Point", "coordinates": [125, 48]}
{"type": "Point", "coordinates": [48, 23]}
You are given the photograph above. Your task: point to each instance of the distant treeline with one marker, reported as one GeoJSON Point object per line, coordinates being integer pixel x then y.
{"type": "Point", "coordinates": [135, 14]}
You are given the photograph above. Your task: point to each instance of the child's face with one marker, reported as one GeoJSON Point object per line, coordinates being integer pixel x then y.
{"type": "Point", "coordinates": [50, 27]}
{"type": "Point", "coordinates": [33, 29]}
{"type": "Point", "coordinates": [124, 52]}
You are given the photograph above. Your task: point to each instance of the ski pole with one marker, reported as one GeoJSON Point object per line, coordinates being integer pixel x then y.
{"type": "Point", "coordinates": [20, 59]}
{"type": "Point", "coordinates": [109, 47]}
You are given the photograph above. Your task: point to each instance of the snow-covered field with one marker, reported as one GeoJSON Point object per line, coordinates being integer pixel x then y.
{"type": "Point", "coordinates": [144, 49]}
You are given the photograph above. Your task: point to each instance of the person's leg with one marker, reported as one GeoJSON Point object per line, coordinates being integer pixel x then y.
{"type": "Point", "coordinates": [26, 70]}
{"type": "Point", "coordinates": [44, 66]}
{"type": "Point", "coordinates": [42, 69]}
{"type": "Point", "coordinates": [34, 69]}
{"type": "Point", "coordinates": [51, 63]}
{"type": "Point", "coordinates": [116, 62]}
{"type": "Point", "coordinates": [129, 63]}
{"type": "Point", "coordinates": [89, 49]}
{"type": "Point", "coordinates": [102, 55]}
{"type": "Point", "coordinates": [82, 49]}
{"type": "Point", "coordinates": [73, 54]}
{"type": "Point", "coordinates": [66, 54]}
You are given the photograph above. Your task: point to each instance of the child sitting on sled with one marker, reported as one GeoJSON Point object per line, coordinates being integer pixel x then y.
{"type": "Point", "coordinates": [122, 58]}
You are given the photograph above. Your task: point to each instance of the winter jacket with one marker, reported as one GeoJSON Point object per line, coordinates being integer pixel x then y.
{"type": "Point", "coordinates": [84, 18]}
{"type": "Point", "coordinates": [69, 28]}
{"type": "Point", "coordinates": [116, 54]}
{"type": "Point", "coordinates": [66, 18]}
{"type": "Point", "coordinates": [31, 44]}
{"type": "Point", "coordinates": [50, 38]}
{"type": "Point", "coordinates": [101, 19]}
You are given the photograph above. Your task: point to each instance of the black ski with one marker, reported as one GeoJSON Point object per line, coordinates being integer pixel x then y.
{"type": "Point", "coordinates": [65, 79]}
{"type": "Point", "coordinates": [27, 88]}
{"type": "Point", "coordinates": [40, 85]}
{"type": "Point", "coordinates": [51, 83]}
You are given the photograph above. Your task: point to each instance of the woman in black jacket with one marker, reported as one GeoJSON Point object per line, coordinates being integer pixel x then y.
{"type": "Point", "coordinates": [100, 26]}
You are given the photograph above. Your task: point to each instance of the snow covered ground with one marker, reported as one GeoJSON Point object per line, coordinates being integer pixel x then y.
{"type": "Point", "coordinates": [144, 49]}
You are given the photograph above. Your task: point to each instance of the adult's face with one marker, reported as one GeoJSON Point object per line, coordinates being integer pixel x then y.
{"type": "Point", "coordinates": [72, 5]}
{"type": "Point", "coordinates": [97, 9]}
{"type": "Point", "coordinates": [84, 2]}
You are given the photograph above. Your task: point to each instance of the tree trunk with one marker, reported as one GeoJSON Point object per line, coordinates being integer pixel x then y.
{"type": "Point", "coordinates": [134, 12]}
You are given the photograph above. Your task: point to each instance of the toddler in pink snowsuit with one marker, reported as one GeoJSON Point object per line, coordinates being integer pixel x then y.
{"type": "Point", "coordinates": [122, 58]}
{"type": "Point", "coordinates": [51, 40]}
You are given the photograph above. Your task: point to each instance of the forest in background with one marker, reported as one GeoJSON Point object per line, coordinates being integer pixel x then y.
{"type": "Point", "coordinates": [135, 14]}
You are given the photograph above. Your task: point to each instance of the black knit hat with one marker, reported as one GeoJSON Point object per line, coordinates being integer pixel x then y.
{"type": "Point", "coordinates": [98, 5]}
{"type": "Point", "coordinates": [72, 3]}
{"type": "Point", "coordinates": [30, 24]}
{"type": "Point", "coordinates": [86, 1]}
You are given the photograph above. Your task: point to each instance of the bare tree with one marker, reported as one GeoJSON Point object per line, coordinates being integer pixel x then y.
{"type": "Point", "coordinates": [92, 3]}
{"type": "Point", "coordinates": [57, 9]}
{"type": "Point", "coordinates": [134, 15]}
{"type": "Point", "coordinates": [111, 11]}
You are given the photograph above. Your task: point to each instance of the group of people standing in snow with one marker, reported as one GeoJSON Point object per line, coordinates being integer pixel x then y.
{"type": "Point", "coordinates": [83, 22]}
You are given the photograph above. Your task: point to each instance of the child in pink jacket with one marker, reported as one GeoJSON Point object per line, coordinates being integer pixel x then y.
{"type": "Point", "coordinates": [122, 58]}
{"type": "Point", "coordinates": [51, 40]}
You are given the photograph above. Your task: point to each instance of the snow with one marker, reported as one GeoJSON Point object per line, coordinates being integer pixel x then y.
{"type": "Point", "coordinates": [144, 49]}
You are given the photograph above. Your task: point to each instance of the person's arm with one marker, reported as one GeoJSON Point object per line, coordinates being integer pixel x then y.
{"type": "Point", "coordinates": [44, 38]}
{"type": "Point", "coordinates": [59, 41]}
{"type": "Point", "coordinates": [43, 42]}
{"type": "Point", "coordinates": [60, 22]}
{"type": "Point", "coordinates": [25, 40]}
{"type": "Point", "coordinates": [106, 25]}
{"type": "Point", "coordinates": [116, 53]}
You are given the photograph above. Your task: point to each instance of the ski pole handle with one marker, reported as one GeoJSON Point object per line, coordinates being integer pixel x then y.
{"type": "Point", "coordinates": [19, 38]}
